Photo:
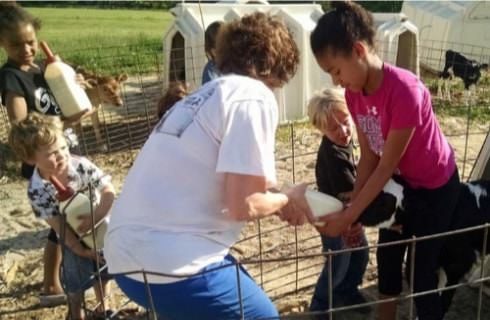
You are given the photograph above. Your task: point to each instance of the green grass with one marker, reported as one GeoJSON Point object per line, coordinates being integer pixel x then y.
{"type": "Point", "coordinates": [479, 110]}
{"type": "Point", "coordinates": [105, 40]}
{"type": "Point", "coordinates": [478, 113]}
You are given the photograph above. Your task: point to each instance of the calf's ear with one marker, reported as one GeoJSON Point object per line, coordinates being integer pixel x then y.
{"type": "Point", "coordinates": [122, 77]}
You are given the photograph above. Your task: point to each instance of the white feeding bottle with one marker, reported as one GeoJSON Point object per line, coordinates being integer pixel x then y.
{"type": "Point", "coordinates": [71, 97]}
{"type": "Point", "coordinates": [74, 205]}
{"type": "Point", "coordinates": [322, 204]}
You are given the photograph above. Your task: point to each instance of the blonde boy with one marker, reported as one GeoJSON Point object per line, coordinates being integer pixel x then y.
{"type": "Point", "coordinates": [38, 140]}
{"type": "Point", "coordinates": [328, 112]}
{"type": "Point", "coordinates": [335, 175]}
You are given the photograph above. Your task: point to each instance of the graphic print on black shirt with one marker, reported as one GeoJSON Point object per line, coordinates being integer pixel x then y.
{"type": "Point", "coordinates": [29, 84]}
{"type": "Point", "coordinates": [45, 102]}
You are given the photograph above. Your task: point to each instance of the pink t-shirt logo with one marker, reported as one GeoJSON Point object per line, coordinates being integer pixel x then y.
{"type": "Point", "coordinates": [373, 111]}
{"type": "Point", "coordinates": [371, 126]}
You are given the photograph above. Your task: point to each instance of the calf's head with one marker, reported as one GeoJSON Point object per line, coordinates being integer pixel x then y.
{"type": "Point", "coordinates": [386, 209]}
{"type": "Point", "coordinates": [108, 88]}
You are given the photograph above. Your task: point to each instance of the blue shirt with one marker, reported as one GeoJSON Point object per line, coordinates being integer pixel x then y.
{"type": "Point", "coordinates": [209, 72]}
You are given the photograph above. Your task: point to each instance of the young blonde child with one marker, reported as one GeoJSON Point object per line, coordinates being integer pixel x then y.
{"type": "Point", "coordinates": [38, 140]}
{"type": "Point", "coordinates": [335, 173]}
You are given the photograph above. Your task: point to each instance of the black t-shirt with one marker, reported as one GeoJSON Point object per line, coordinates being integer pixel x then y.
{"type": "Point", "coordinates": [33, 87]}
{"type": "Point", "coordinates": [29, 84]}
{"type": "Point", "coordinates": [335, 169]}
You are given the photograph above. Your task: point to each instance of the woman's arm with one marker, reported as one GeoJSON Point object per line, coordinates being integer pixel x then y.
{"type": "Point", "coordinates": [393, 150]}
{"type": "Point", "coordinates": [246, 197]}
{"type": "Point", "coordinates": [16, 107]}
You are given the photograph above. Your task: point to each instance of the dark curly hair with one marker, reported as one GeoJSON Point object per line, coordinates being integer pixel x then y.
{"type": "Point", "coordinates": [12, 16]}
{"type": "Point", "coordinates": [259, 46]}
{"type": "Point", "coordinates": [338, 29]}
{"type": "Point", "coordinates": [176, 91]}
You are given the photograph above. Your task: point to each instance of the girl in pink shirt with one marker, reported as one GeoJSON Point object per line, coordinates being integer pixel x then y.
{"type": "Point", "coordinates": [398, 135]}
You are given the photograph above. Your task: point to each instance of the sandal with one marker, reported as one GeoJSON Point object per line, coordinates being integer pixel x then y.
{"type": "Point", "coordinates": [51, 300]}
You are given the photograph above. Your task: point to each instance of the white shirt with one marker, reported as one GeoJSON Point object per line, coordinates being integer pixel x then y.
{"type": "Point", "coordinates": [81, 172]}
{"type": "Point", "coordinates": [168, 218]}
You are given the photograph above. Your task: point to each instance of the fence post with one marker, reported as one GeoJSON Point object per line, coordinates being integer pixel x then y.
{"type": "Point", "coordinates": [412, 274]}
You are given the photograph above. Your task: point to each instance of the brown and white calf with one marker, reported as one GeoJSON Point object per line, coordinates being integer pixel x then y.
{"type": "Point", "coordinates": [102, 90]}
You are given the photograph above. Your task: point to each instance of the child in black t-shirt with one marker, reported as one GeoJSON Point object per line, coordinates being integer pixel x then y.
{"type": "Point", "coordinates": [335, 174]}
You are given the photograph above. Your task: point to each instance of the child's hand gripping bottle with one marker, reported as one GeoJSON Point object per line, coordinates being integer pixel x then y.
{"type": "Point", "coordinates": [71, 97]}
{"type": "Point", "coordinates": [77, 204]}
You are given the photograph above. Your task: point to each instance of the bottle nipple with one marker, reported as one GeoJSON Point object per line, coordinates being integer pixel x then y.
{"type": "Point", "coordinates": [47, 51]}
{"type": "Point", "coordinates": [64, 192]}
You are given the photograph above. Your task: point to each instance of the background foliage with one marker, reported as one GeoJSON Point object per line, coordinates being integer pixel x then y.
{"type": "Point", "coordinates": [375, 6]}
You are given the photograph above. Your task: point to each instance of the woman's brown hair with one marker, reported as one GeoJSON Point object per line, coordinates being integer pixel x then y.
{"type": "Point", "coordinates": [259, 46]}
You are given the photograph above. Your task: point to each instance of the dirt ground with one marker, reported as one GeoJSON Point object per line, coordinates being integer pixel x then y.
{"type": "Point", "coordinates": [284, 260]}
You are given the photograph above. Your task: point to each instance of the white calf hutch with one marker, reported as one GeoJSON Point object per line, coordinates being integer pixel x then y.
{"type": "Point", "coordinates": [184, 56]}
{"type": "Point", "coordinates": [461, 26]}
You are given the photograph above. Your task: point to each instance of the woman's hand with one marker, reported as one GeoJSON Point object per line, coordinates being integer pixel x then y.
{"type": "Point", "coordinates": [297, 211]}
{"type": "Point", "coordinates": [334, 224]}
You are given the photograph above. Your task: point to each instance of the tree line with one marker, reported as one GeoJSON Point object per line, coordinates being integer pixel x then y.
{"type": "Point", "coordinates": [374, 6]}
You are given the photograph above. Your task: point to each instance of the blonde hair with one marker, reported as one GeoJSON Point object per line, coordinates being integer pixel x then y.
{"type": "Point", "coordinates": [36, 131]}
{"type": "Point", "coordinates": [323, 104]}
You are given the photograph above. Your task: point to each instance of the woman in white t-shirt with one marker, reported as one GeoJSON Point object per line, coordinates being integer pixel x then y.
{"type": "Point", "coordinates": [203, 173]}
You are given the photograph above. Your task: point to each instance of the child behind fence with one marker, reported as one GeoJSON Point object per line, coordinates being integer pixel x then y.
{"type": "Point", "coordinates": [38, 140]}
{"type": "Point", "coordinates": [210, 71]}
{"type": "Point", "coordinates": [335, 175]}
{"type": "Point", "coordinates": [176, 90]}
